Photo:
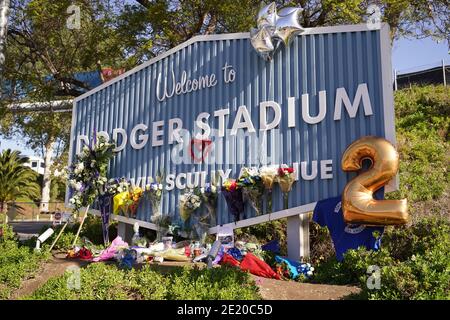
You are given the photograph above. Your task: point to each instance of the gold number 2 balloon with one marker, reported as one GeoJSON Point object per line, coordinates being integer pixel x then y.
{"type": "Point", "coordinates": [358, 204]}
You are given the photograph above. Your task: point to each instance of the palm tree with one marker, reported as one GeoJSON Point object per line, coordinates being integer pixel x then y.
{"type": "Point", "coordinates": [16, 180]}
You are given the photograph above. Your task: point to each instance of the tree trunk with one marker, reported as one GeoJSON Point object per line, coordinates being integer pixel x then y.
{"type": "Point", "coordinates": [4, 212]}
{"type": "Point", "coordinates": [45, 197]}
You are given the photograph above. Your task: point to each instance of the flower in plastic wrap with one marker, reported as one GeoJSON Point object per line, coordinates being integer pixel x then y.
{"type": "Point", "coordinates": [189, 202]}
{"type": "Point", "coordinates": [269, 177]}
{"type": "Point", "coordinates": [210, 196]}
{"type": "Point", "coordinates": [253, 188]}
{"type": "Point", "coordinates": [234, 198]}
{"type": "Point", "coordinates": [286, 179]}
{"type": "Point", "coordinates": [154, 192]}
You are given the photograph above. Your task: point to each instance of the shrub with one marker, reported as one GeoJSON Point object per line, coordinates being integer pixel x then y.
{"type": "Point", "coordinates": [16, 263]}
{"type": "Point", "coordinates": [149, 284]}
{"type": "Point", "coordinates": [101, 281]}
{"type": "Point", "coordinates": [414, 263]}
{"type": "Point", "coordinates": [225, 283]}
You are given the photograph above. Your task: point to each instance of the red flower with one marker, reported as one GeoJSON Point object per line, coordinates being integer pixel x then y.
{"type": "Point", "coordinates": [280, 172]}
{"type": "Point", "coordinates": [290, 170]}
{"type": "Point", "coordinates": [233, 186]}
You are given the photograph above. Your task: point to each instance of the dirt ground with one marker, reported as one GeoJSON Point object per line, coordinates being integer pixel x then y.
{"type": "Point", "coordinates": [270, 289]}
{"type": "Point", "coordinates": [55, 267]}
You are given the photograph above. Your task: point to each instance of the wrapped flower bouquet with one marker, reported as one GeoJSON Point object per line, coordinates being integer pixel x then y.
{"type": "Point", "coordinates": [286, 179]}
{"type": "Point", "coordinates": [253, 188]}
{"type": "Point", "coordinates": [269, 177]}
{"type": "Point", "coordinates": [234, 198]}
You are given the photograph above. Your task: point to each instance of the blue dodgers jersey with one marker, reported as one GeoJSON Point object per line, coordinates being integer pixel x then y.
{"type": "Point", "coordinates": [345, 236]}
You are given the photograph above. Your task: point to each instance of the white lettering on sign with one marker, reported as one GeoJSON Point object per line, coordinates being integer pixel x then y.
{"type": "Point", "coordinates": [203, 129]}
{"type": "Point", "coordinates": [342, 98]}
{"type": "Point", "coordinates": [169, 86]}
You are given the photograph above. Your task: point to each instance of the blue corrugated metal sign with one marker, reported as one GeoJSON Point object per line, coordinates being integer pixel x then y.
{"type": "Point", "coordinates": [212, 106]}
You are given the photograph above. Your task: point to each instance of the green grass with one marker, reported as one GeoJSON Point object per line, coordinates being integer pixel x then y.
{"type": "Point", "coordinates": [101, 281]}
{"type": "Point", "coordinates": [16, 263]}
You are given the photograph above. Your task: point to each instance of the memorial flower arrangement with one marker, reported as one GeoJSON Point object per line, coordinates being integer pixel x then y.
{"type": "Point", "coordinates": [285, 179]}
{"type": "Point", "coordinates": [116, 186]}
{"type": "Point", "coordinates": [269, 176]}
{"type": "Point", "coordinates": [188, 203]}
{"type": "Point", "coordinates": [234, 197]}
{"type": "Point", "coordinates": [87, 176]}
{"type": "Point", "coordinates": [306, 269]}
{"type": "Point", "coordinates": [131, 203]}
{"type": "Point", "coordinates": [154, 192]}
{"type": "Point", "coordinates": [209, 197]}
{"type": "Point", "coordinates": [127, 201]}
{"type": "Point", "coordinates": [253, 188]}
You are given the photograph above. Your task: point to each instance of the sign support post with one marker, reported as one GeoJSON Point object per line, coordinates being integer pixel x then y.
{"type": "Point", "coordinates": [125, 231]}
{"type": "Point", "coordinates": [298, 237]}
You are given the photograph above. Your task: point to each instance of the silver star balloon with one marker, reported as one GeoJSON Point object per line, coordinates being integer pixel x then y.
{"type": "Point", "coordinates": [261, 40]}
{"type": "Point", "coordinates": [274, 28]}
{"type": "Point", "coordinates": [267, 16]}
{"type": "Point", "coordinates": [287, 25]}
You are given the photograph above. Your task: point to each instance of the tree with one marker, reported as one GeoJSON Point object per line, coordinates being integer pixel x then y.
{"type": "Point", "coordinates": [49, 44]}
{"type": "Point", "coordinates": [150, 27]}
{"type": "Point", "coordinates": [16, 180]}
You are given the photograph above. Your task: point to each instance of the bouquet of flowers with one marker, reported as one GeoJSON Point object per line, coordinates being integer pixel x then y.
{"type": "Point", "coordinates": [234, 198]}
{"type": "Point", "coordinates": [269, 176]}
{"type": "Point", "coordinates": [305, 269]}
{"type": "Point", "coordinates": [116, 186]}
{"type": "Point", "coordinates": [253, 188]}
{"type": "Point", "coordinates": [154, 191]}
{"type": "Point", "coordinates": [285, 179]}
{"type": "Point", "coordinates": [87, 176]}
{"type": "Point", "coordinates": [163, 225]}
{"type": "Point", "coordinates": [189, 202]}
{"type": "Point", "coordinates": [209, 197]}
{"type": "Point", "coordinates": [128, 201]}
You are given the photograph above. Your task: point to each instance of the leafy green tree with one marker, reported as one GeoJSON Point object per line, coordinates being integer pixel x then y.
{"type": "Point", "coordinates": [49, 43]}
{"type": "Point", "coordinates": [149, 27]}
{"type": "Point", "coordinates": [16, 180]}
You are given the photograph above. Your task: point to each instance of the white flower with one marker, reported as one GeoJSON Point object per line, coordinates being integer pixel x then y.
{"type": "Point", "coordinates": [309, 273]}
{"type": "Point", "coordinates": [202, 190]}
{"type": "Point", "coordinates": [160, 186]}
{"type": "Point", "coordinates": [119, 190]}
{"type": "Point", "coordinates": [78, 186]}
{"type": "Point", "coordinates": [269, 171]}
{"type": "Point", "coordinates": [72, 200]}
{"type": "Point", "coordinates": [213, 189]}
{"type": "Point", "coordinates": [147, 187]}
{"type": "Point", "coordinates": [79, 168]}
{"type": "Point", "coordinates": [311, 269]}
{"type": "Point", "coordinates": [253, 171]}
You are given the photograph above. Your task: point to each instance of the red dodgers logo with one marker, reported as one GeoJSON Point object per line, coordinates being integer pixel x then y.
{"type": "Point", "coordinates": [199, 149]}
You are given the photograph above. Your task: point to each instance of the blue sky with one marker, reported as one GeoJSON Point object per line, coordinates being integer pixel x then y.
{"type": "Point", "coordinates": [406, 56]}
